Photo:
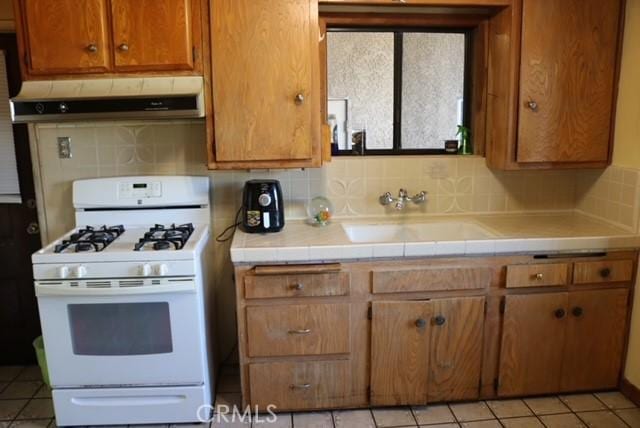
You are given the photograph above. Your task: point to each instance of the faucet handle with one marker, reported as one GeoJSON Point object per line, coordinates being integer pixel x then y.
{"type": "Point", "coordinates": [386, 199]}
{"type": "Point", "coordinates": [403, 193]}
{"type": "Point", "coordinates": [420, 197]}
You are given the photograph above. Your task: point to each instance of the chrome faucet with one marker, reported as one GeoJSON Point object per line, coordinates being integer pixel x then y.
{"type": "Point", "coordinates": [402, 199]}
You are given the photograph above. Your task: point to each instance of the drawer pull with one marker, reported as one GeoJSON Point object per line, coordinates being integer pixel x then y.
{"type": "Point", "coordinates": [304, 386]}
{"type": "Point", "coordinates": [304, 331]}
{"type": "Point", "coordinates": [560, 313]}
{"type": "Point", "coordinates": [538, 277]}
{"type": "Point", "coordinates": [297, 286]}
{"type": "Point", "coordinates": [577, 311]}
{"type": "Point", "coordinates": [605, 273]}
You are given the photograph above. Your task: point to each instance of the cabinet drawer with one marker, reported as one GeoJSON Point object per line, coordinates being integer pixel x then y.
{"type": "Point", "coordinates": [299, 386]}
{"type": "Point", "coordinates": [430, 279]}
{"type": "Point", "coordinates": [602, 271]}
{"type": "Point", "coordinates": [298, 330]}
{"type": "Point", "coordinates": [540, 275]}
{"type": "Point", "coordinates": [310, 285]}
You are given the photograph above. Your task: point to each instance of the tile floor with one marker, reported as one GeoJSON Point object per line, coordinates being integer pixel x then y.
{"type": "Point", "coordinates": [25, 402]}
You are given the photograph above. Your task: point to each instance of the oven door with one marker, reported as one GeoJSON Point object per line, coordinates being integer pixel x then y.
{"type": "Point", "coordinates": [115, 335]}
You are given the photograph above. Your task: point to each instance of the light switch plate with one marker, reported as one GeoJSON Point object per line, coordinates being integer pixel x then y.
{"type": "Point", "coordinates": [64, 148]}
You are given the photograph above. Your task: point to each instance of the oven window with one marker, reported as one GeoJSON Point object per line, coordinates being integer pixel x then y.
{"type": "Point", "coordinates": [120, 328]}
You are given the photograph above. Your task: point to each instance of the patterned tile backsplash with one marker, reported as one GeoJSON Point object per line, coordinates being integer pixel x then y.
{"type": "Point", "coordinates": [454, 184]}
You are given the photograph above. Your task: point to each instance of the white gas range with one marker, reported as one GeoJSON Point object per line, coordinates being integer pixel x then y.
{"type": "Point", "coordinates": [124, 303]}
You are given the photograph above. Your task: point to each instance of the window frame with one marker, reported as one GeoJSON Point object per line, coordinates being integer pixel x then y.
{"type": "Point", "coordinates": [398, 51]}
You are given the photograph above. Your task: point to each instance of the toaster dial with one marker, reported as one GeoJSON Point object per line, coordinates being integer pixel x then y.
{"type": "Point", "coordinates": [264, 200]}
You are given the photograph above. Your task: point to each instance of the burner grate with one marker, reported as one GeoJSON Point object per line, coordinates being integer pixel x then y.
{"type": "Point", "coordinates": [90, 239]}
{"type": "Point", "coordinates": [164, 238]}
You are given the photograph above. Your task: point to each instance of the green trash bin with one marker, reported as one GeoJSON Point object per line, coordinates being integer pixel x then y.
{"type": "Point", "coordinates": [38, 344]}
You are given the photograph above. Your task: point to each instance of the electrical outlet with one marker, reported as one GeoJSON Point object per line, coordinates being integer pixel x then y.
{"type": "Point", "coordinates": [64, 148]}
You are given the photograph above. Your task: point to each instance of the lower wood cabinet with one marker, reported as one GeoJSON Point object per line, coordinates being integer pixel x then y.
{"type": "Point", "coordinates": [425, 351]}
{"type": "Point", "coordinates": [422, 331]}
{"type": "Point", "coordinates": [300, 385]}
{"type": "Point", "coordinates": [561, 342]}
{"type": "Point", "coordinates": [595, 339]}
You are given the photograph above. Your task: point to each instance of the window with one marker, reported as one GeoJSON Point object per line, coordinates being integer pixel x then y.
{"type": "Point", "coordinates": [396, 91]}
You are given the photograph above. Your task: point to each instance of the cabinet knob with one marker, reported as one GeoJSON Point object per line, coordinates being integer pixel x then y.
{"type": "Point", "coordinates": [439, 320]}
{"type": "Point", "coordinates": [538, 277]}
{"type": "Point", "coordinates": [123, 47]}
{"type": "Point", "coordinates": [299, 99]}
{"type": "Point", "coordinates": [577, 311]}
{"type": "Point", "coordinates": [605, 273]}
{"type": "Point", "coordinates": [421, 323]}
{"type": "Point", "coordinates": [93, 48]}
{"type": "Point", "coordinates": [533, 106]}
{"type": "Point", "coordinates": [560, 313]}
{"type": "Point", "coordinates": [297, 286]}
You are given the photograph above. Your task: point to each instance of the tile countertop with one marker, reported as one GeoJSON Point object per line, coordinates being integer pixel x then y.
{"type": "Point", "coordinates": [510, 234]}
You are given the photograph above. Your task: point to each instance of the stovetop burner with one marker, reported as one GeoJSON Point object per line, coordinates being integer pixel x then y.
{"type": "Point", "coordinates": [163, 237]}
{"type": "Point", "coordinates": [90, 239]}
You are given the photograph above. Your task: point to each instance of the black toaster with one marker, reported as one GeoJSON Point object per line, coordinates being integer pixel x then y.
{"type": "Point", "coordinates": [262, 206]}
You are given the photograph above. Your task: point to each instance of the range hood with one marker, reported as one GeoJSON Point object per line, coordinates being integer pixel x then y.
{"type": "Point", "coordinates": [119, 98]}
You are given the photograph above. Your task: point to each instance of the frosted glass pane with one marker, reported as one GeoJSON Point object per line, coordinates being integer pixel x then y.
{"type": "Point", "coordinates": [432, 88]}
{"type": "Point", "coordinates": [360, 70]}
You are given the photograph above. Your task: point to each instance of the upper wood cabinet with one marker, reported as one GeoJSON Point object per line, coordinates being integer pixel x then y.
{"type": "Point", "coordinates": [98, 37]}
{"type": "Point", "coordinates": [66, 36]}
{"type": "Point", "coordinates": [553, 70]}
{"type": "Point", "coordinates": [265, 84]}
{"type": "Point", "coordinates": [421, 2]}
{"type": "Point", "coordinates": [152, 35]}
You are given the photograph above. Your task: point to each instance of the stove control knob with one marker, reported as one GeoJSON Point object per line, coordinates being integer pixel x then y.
{"type": "Point", "coordinates": [63, 271]}
{"type": "Point", "coordinates": [145, 270]}
{"type": "Point", "coordinates": [264, 200]}
{"type": "Point", "coordinates": [80, 272]}
{"type": "Point", "coordinates": [162, 269]}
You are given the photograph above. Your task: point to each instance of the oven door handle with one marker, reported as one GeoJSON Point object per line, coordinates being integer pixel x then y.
{"type": "Point", "coordinates": [71, 291]}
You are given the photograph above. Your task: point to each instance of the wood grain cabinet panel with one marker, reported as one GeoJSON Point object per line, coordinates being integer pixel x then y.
{"type": "Point", "coordinates": [152, 35]}
{"type": "Point", "coordinates": [266, 82]}
{"type": "Point", "coordinates": [606, 271]}
{"type": "Point", "coordinates": [300, 385]}
{"type": "Point", "coordinates": [567, 80]}
{"type": "Point", "coordinates": [430, 279]}
{"type": "Point", "coordinates": [595, 339]}
{"type": "Point", "coordinates": [65, 36]}
{"type": "Point", "coordinates": [533, 336]}
{"type": "Point", "coordinates": [400, 337]}
{"type": "Point", "coordinates": [304, 285]}
{"type": "Point", "coordinates": [298, 329]}
{"type": "Point", "coordinates": [456, 349]}
{"type": "Point", "coordinates": [537, 275]}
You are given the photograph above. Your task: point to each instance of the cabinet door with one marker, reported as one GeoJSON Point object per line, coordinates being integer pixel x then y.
{"type": "Point", "coordinates": [265, 80]}
{"type": "Point", "coordinates": [152, 35]}
{"type": "Point", "coordinates": [66, 36]}
{"type": "Point", "coordinates": [400, 352]}
{"type": "Point", "coordinates": [533, 336]}
{"type": "Point", "coordinates": [595, 339]}
{"type": "Point", "coordinates": [567, 80]}
{"type": "Point", "coordinates": [456, 349]}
